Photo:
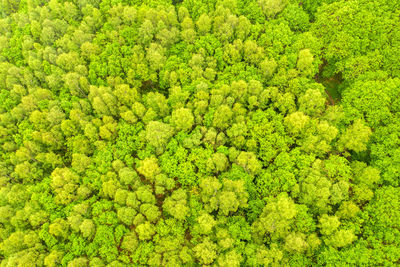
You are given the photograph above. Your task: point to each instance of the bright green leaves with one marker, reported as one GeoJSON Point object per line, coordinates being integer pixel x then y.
{"type": "Point", "coordinates": [53, 258]}
{"type": "Point", "coordinates": [126, 215]}
{"type": "Point", "coordinates": [126, 95]}
{"type": "Point", "coordinates": [231, 258]}
{"type": "Point", "coordinates": [64, 183]}
{"type": "Point", "coordinates": [145, 195]}
{"type": "Point", "coordinates": [366, 179]}
{"type": "Point", "coordinates": [150, 211]}
{"type": "Point", "coordinates": [206, 223]}
{"type": "Point", "coordinates": [222, 117]}
{"type": "Point", "coordinates": [104, 243]}
{"type": "Point", "coordinates": [297, 17]}
{"type": "Point", "coordinates": [210, 187]}
{"type": "Point", "coordinates": [354, 36]}
{"type": "Point", "coordinates": [176, 204]}
{"type": "Point", "coordinates": [332, 235]}
{"type": "Point", "coordinates": [291, 229]}
{"type": "Point", "coordinates": [146, 31]}
{"type": "Point", "coordinates": [226, 197]}
{"type": "Point", "coordinates": [87, 228]}
{"type": "Point", "coordinates": [145, 231]}
{"type": "Point", "coordinates": [228, 202]}
{"type": "Point", "coordinates": [182, 119]}
{"type": "Point", "coordinates": [267, 256]}
{"type": "Point", "coordinates": [163, 184]}
{"type": "Point", "coordinates": [342, 238]}
{"type": "Point", "coordinates": [368, 176]}
{"type": "Point", "coordinates": [149, 168]}
{"type": "Point", "coordinates": [305, 62]}
{"type": "Point", "coordinates": [127, 176]}
{"type": "Point", "coordinates": [59, 228]}
{"type": "Point", "coordinates": [328, 224]}
{"type": "Point", "coordinates": [157, 103]}
{"type": "Point", "coordinates": [275, 218]}
{"type": "Point", "coordinates": [268, 67]}
{"type": "Point", "coordinates": [103, 100]}
{"type": "Point", "coordinates": [384, 217]}
{"type": "Point", "coordinates": [13, 244]}
{"type": "Point", "coordinates": [296, 122]}
{"type": "Point", "coordinates": [373, 99]}
{"type": "Point", "coordinates": [321, 188]}
{"type": "Point", "coordinates": [218, 162]}
{"type": "Point", "coordinates": [204, 23]}
{"type": "Point", "coordinates": [249, 162]}
{"type": "Point", "coordinates": [296, 242]}
{"type": "Point", "coordinates": [199, 134]}
{"type": "Point", "coordinates": [312, 102]}
{"type": "Point", "coordinates": [266, 128]}
{"type": "Point", "coordinates": [355, 137]}
{"type": "Point", "coordinates": [206, 252]}
{"type": "Point", "coordinates": [155, 56]}
{"type": "Point", "coordinates": [158, 134]}
{"type": "Point", "coordinates": [130, 242]}
{"type": "Point", "coordinates": [80, 162]}
{"type": "Point", "coordinates": [272, 7]}
{"type": "Point", "coordinates": [318, 137]}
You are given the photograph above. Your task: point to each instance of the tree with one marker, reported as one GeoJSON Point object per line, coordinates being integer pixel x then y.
{"type": "Point", "coordinates": [126, 94]}
{"type": "Point", "coordinates": [129, 242]}
{"type": "Point", "coordinates": [305, 61]}
{"type": "Point", "coordinates": [59, 228]}
{"type": "Point", "coordinates": [80, 162]}
{"type": "Point", "coordinates": [128, 176]}
{"type": "Point", "coordinates": [206, 223]}
{"type": "Point", "coordinates": [272, 7]}
{"type": "Point", "coordinates": [296, 122]}
{"type": "Point", "coordinates": [328, 224]}
{"type": "Point", "coordinates": [204, 24]}
{"type": "Point", "coordinates": [158, 134]}
{"type": "Point", "coordinates": [275, 218]}
{"type": "Point", "coordinates": [218, 162]}
{"type": "Point", "coordinates": [146, 30]}
{"type": "Point", "coordinates": [182, 119]}
{"type": "Point", "coordinates": [355, 137]}
{"type": "Point", "coordinates": [176, 204]}
{"type": "Point", "coordinates": [145, 231]}
{"type": "Point", "coordinates": [64, 182]}
{"type": "Point", "coordinates": [204, 132]}
{"type": "Point", "coordinates": [209, 188]}
{"type": "Point", "coordinates": [103, 100]}
{"type": "Point", "coordinates": [249, 162]}
{"type": "Point", "coordinates": [53, 258]}
{"type": "Point", "coordinates": [222, 116]}
{"type": "Point", "coordinates": [87, 228]}
{"type": "Point", "coordinates": [295, 242]}
{"type": "Point", "coordinates": [342, 238]}
{"type": "Point", "coordinates": [126, 215]}
{"type": "Point", "coordinates": [205, 252]}
{"type": "Point", "coordinates": [312, 102]}
{"type": "Point", "coordinates": [150, 211]}
{"type": "Point", "coordinates": [78, 262]}
{"type": "Point", "coordinates": [145, 195]}
{"type": "Point", "coordinates": [149, 168]}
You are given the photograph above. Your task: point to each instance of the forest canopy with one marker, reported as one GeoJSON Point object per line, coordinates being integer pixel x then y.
{"type": "Point", "coordinates": [199, 133]}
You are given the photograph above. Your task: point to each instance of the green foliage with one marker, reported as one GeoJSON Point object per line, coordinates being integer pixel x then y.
{"type": "Point", "coordinates": [176, 204]}
{"type": "Point", "coordinates": [355, 137]}
{"type": "Point", "coordinates": [182, 119]}
{"type": "Point", "coordinates": [199, 132]}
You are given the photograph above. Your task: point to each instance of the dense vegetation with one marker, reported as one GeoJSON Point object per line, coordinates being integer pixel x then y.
{"type": "Point", "coordinates": [199, 132]}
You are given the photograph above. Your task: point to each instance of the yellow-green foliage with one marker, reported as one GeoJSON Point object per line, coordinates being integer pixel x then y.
{"type": "Point", "coordinates": [199, 132]}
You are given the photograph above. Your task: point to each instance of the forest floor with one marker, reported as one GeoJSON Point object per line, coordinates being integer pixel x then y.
{"type": "Point", "coordinates": [331, 85]}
